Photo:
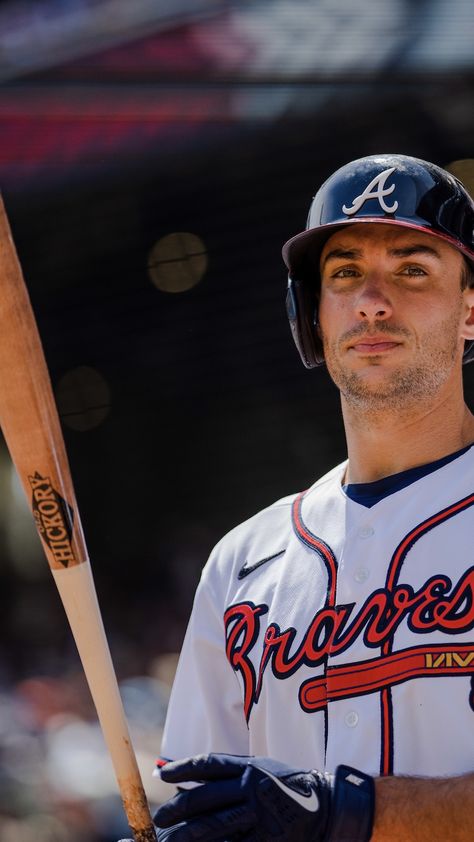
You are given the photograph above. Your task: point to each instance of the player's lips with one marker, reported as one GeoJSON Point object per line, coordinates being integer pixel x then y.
{"type": "Point", "coordinates": [374, 344]}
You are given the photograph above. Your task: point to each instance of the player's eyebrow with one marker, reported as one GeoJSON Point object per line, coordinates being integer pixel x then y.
{"type": "Point", "coordinates": [417, 248]}
{"type": "Point", "coordinates": [342, 254]}
{"type": "Point", "coordinates": [403, 251]}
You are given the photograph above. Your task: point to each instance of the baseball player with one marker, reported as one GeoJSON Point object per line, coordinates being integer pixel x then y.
{"type": "Point", "coordinates": [325, 689]}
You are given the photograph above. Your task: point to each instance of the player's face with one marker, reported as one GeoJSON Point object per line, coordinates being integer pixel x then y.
{"type": "Point", "coordinates": [392, 314]}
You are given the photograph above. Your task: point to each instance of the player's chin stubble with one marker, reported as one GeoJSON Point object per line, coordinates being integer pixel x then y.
{"type": "Point", "coordinates": [402, 387]}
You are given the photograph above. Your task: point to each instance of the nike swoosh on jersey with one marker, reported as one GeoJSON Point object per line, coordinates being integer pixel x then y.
{"type": "Point", "coordinates": [309, 802]}
{"type": "Point", "coordinates": [249, 568]}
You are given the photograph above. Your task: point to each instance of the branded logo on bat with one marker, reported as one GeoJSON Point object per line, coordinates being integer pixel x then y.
{"type": "Point", "coordinates": [53, 517]}
{"type": "Point", "coordinates": [379, 193]}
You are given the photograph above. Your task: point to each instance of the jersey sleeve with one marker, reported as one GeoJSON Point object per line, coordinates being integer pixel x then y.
{"type": "Point", "coordinates": [205, 711]}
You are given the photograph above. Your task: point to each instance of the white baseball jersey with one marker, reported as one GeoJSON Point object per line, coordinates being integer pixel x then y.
{"type": "Point", "coordinates": [327, 632]}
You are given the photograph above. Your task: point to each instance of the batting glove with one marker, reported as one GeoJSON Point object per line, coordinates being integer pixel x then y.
{"type": "Point", "coordinates": [258, 799]}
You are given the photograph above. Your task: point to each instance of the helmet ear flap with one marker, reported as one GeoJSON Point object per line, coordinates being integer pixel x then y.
{"type": "Point", "coordinates": [302, 310]}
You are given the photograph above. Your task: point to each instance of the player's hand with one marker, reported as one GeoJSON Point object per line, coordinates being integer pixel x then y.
{"type": "Point", "coordinates": [252, 798]}
{"type": "Point", "coordinates": [241, 794]}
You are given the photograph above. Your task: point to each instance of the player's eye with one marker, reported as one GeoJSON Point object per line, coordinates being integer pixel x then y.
{"type": "Point", "coordinates": [413, 270]}
{"type": "Point", "coordinates": [345, 272]}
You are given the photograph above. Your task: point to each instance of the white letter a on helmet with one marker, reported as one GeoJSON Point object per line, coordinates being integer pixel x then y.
{"type": "Point", "coordinates": [371, 193]}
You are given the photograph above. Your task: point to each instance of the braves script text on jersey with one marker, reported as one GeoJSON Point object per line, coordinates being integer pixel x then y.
{"type": "Point", "coordinates": [326, 632]}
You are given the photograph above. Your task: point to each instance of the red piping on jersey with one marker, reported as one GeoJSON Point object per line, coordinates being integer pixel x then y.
{"type": "Point", "coordinates": [313, 542]}
{"type": "Point", "coordinates": [329, 559]}
{"type": "Point", "coordinates": [386, 742]}
{"type": "Point", "coordinates": [403, 548]}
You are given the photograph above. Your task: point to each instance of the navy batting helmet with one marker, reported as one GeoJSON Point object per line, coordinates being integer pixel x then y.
{"type": "Point", "coordinates": [392, 189]}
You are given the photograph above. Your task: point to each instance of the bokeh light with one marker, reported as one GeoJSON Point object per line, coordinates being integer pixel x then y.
{"type": "Point", "coordinates": [177, 262]}
{"type": "Point", "coordinates": [83, 398]}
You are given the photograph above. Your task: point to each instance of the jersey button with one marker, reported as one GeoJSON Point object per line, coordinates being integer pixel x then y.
{"type": "Point", "coordinates": [365, 532]}
{"type": "Point", "coordinates": [361, 575]}
{"type": "Point", "coordinates": [351, 719]}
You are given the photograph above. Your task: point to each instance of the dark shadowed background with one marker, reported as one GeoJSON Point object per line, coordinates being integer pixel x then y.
{"type": "Point", "coordinates": [153, 159]}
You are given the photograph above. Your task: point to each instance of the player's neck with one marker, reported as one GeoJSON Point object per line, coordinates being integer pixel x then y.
{"type": "Point", "coordinates": [384, 443]}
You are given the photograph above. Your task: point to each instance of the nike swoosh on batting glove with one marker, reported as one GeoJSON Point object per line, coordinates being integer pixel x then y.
{"type": "Point", "coordinates": [257, 798]}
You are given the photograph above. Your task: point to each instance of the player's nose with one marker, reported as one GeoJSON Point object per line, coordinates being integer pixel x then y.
{"type": "Point", "coordinates": [373, 301]}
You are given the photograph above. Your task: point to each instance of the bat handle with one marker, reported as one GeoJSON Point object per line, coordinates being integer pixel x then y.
{"type": "Point", "coordinates": [77, 591]}
{"type": "Point", "coordinates": [146, 835]}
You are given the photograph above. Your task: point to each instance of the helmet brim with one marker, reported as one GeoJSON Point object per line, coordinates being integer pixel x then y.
{"type": "Point", "coordinates": [311, 242]}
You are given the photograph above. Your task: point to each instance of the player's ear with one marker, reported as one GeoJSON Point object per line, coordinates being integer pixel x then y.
{"type": "Point", "coordinates": [467, 326]}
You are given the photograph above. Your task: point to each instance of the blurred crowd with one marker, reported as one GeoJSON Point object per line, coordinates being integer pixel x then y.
{"type": "Point", "coordinates": [56, 779]}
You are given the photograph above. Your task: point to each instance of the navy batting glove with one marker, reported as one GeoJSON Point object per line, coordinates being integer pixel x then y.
{"type": "Point", "coordinates": [258, 799]}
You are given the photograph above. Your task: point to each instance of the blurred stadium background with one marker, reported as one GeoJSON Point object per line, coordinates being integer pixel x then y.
{"type": "Point", "coordinates": [154, 156]}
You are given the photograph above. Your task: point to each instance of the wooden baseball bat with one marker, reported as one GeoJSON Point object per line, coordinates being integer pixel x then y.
{"type": "Point", "coordinates": [30, 425]}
